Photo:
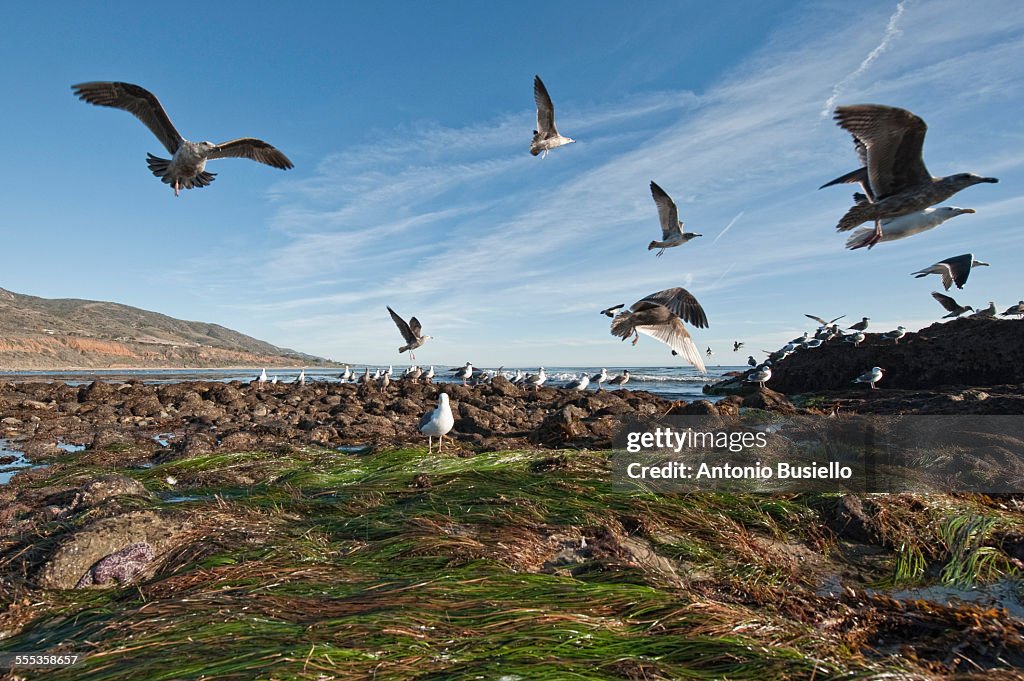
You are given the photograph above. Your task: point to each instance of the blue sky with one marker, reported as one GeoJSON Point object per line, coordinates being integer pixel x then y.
{"type": "Point", "coordinates": [409, 126]}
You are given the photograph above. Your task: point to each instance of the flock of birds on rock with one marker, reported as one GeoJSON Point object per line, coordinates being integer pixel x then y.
{"type": "Point", "coordinates": [898, 196]}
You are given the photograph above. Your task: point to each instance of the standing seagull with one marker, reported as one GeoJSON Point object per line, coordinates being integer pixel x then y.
{"type": "Point", "coordinates": [621, 379]}
{"type": "Point", "coordinates": [989, 311]}
{"type": "Point", "coordinates": [952, 270]}
{"type": "Point", "coordinates": [603, 376]}
{"type": "Point", "coordinates": [954, 308]}
{"type": "Point", "coordinates": [437, 422]}
{"type": "Point", "coordinates": [580, 383]}
{"type": "Point", "coordinates": [465, 373]}
{"type": "Point", "coordinates": [410, 332]}
{"type": "Point", "coordinates": [889, 142]}
{"type": "Point", "coordinates": [871, 377]}
{"type": "Point", "coordinates": [751, 362]}
{"type": "Point", "coordinates": [862, 325]}
{"type": "Point", "coordinates": [1017, 310]}
{"type": "Point", "coordinates": [906, 225]}
{"type": "Point", "coordinates": [660, 315]}
{"type": "Point", "coordinates": [545, 137]}
{"type": "Point", "coordinates": [895, 336]}
{"type": "Point", "coordinates": [671, 226]}
{"type": "Point", "coordinates": [187, 167]}
{"type": "Point", "coordinates": [759, 376]}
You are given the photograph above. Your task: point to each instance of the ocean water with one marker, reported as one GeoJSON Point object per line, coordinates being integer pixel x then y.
{"type": "Point", "coordinates": [671, 382]}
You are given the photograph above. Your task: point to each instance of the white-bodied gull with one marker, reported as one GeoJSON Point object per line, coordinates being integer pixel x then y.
{"type": "Point", "coordinates": [952, 270]}
{"type": "Point", "coordinates": [660, 315]}
{"type": "Point", "coordinates": [411, 332]}
{"type": "Point", "coordinates": [437, 423]}
{"type": "Point", "coordinates": [545, 137]}
{"type": "Point", "coordinates": [672, 233]}
{"type": "Point", "coordinates": [873, 376]}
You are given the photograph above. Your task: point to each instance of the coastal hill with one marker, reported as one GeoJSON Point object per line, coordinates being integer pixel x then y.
{"type": "Point", "coordinates": [67, 333]}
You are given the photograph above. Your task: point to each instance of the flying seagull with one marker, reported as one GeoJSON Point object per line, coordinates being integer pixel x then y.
{"type": "Point", "coordinates": [671, 226]}
{"type": "Point", "coordinates": [709, 353]}
{"type": "Point", "coordinates": [889, 142]}
{"type": "Point", "coordinates": [952, 270]}
{"type": "Point", "coordinates": [545, 137]}
{"type": "Point", "coordinates": [905, 225]}
{"type": "Point", "coordinates": [736, 345]}
{"type": "Point", "coordinates": [411, 332]}
{"type": "Point", "coordinates": [437, 422]}
{"type": "Point", "coordinates": [873, 376]}
{"type": "Point", "coordinates": [822, 321]}
{"type": "Point", "coordinates": [610, 312]}
{"type": "Point", "coordinates": [187, 167]}
{"type": "Point", "coordinates": [661, 315]}
{"type": "Point", "coordinates": [954, 308]}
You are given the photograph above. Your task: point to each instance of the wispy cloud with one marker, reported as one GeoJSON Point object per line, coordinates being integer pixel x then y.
{"type": "Point", "coordinates": [487, 245]}
{"type": "Point", "coordinates": [891, 31]}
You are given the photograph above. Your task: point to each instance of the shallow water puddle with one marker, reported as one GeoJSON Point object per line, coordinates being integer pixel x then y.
{"type": "Point", "coordinates": [12, 462]}
{"type": "Point", "coordinates": [70, 447]}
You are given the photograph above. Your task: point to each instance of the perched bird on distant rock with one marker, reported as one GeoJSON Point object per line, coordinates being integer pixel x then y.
{"type": "Point", "coordinates": [862, 325]}
{"type": "Point", "coordinates": [411, 332]}
{"type": "Point", "coordinates": [736, 345]}
{"type": "Point", "coordinates": [610, 312]}
{"type": "Point", "coordinates": [346, 375]}
{"type": "Point", "coordinates": [759, 376]}
{"type": "Point", "coordinates": [954, 308]}
{"type": "Point", "coordinates": [385, 381]}
{"type": "Point", "coordinates": [873, 376]}
{"type": "Point", "coordinates": [952, 270]}
{"type": "Point", "coordinates": [895, 336]}
{"type": "Point", "coordinates": [889, 142]}
{"type": "Point", "coordinates": [894, 229]}
{"type": "Point", "coordinates": [751, 361]}
{"type": "Point", "coordinates": [1017, 310]}
{"type": "Point", "coordinates": [429, 376]}
{"type": "Point", "coordinates": [545, 137]}
{"type": "Point", "coordinates": [187, 167]}
{"type": "Point", "coordinates": [437, 423]}
{"type": "Point", "coordinates": [536, 380]}
{"type": "Point", "coordinates": [599, 378]}
{"type": "Point", "coordinates": [856, 338]}
{"type": "Point", "coordinates": [672, 233]}
{"type": "Point", "coordinates": [365, 378]}
{"type": "Point", "coordinates": [660, 315]}
{"type": "Point", "coordinates": [989, 311]}
{"type": "Point", "coordinates": [465, 373]}
{"type": "Point", "coordinates": [580, 383]}
{"type": "Point", "coordinates": [621, 379]}
{"type": "Point", "coordinates": [301, 378]}
{"type": "Point", "coordinates": [261, 380]}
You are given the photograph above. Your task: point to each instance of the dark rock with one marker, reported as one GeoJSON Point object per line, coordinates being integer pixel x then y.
{"type": "Point", "coordinates": [769, 400]}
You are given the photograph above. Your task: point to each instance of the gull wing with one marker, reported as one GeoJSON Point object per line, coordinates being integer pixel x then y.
{"type": "Point", "coordinates": [137, 101]}
{"type": "Point", "coordinates": [675, 335]}
{"type": "Point", "coordinates": [959, 269]}
{"type": "Point", "coordinates": [680, 302]}
{"type": "Point", "coordinates": [403, 328]}
{"type": "Point", "coordinates": [893, 139]}
{"type": "Point", "coordinates": [545, 109]}
{"type": "Point", "coordinates": [253, 149]}
{"type": "Point", "coordinates": [668, 214]}
{"type": "Point", "coordinates": [414, 326]}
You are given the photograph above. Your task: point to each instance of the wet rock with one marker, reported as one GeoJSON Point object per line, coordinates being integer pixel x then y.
{"type": "Point", "coordinates": [120, 566]}
{"type": "Point", "coordinates": [850, 520]}
{"type": "Point", "coordinates": [770, 400]}
{"type": "Point", "coordinates": [80, 552]}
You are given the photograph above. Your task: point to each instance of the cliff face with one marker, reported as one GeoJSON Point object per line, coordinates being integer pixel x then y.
{"type": "Point", "coordinates": [964, 352]}
{"type": "Point", "coordinates": [41, 333]}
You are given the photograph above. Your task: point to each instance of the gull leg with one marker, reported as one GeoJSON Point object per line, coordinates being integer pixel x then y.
{"type": "Point", "coordinates": [430, 444]}
{"type": "Point", "coordinates": [440, 444]}
{"type": "Point", "coordinates": [660, 253]}
{"type": "Point", "coordinates": [636, 337]}
{"type": "Point", "coordinates": [177, 187]}
{"type": "Point", "coordinates": [877, 236]}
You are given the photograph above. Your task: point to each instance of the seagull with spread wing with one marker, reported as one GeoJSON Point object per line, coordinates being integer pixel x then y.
{"type": "Point", "coordinates": [411, 332]}
{"type": "Point", "coordinates": [661, 315]}
{"type": "Point", "coordinates": [889, 143]}
{"type": "Point", "coordinates": [187, 167]}
{"type": "Point", "coordinates": [952, 270]}
{"type": "Point", "coordinates": [672, 233]}
{"type": "Point", "coordinates": [545, 137]}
